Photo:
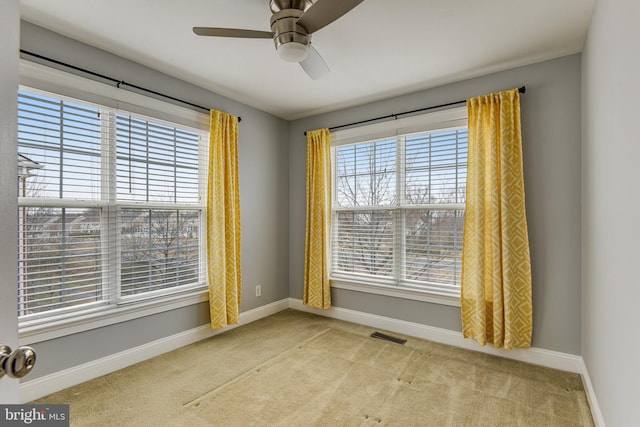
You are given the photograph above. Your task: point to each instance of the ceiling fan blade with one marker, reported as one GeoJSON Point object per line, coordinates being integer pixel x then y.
{"type": "Point", "coordinates": [232, 32]}
{"type": "Point", "coordinates": [324, 12]}
{"type": "Point", "coordinates": [314, 65]}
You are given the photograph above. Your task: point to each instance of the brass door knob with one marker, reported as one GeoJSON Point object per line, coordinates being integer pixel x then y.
{"type": "Point", "coordinates": [5, 352]}
{"type": "Point", "coordinates": [17, 363]}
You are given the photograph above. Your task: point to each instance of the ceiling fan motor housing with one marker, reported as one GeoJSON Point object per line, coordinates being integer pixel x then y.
{"type": "Point", "coordinates": [285, 28]}
{"type": "Point", "coordinates": [278, 5]}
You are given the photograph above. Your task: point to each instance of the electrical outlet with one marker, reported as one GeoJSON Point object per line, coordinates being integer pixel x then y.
{"type": "Point", "coordinates": [258, 291]}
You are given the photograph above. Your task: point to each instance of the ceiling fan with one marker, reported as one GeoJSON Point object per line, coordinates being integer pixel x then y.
{"type": "Point", "coordinates": [292, 23]}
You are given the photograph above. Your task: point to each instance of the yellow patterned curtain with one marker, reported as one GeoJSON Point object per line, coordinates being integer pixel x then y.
{"type": "Point", "coordinates": [496, 266]}
{"type": "Point", "coordinates": [317, 290]}
{"type": "Point", "coordinates": [223, 221]}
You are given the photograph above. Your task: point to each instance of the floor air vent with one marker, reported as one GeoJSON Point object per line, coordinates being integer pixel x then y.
{"type": "Point", "coordinates": [381, 336]}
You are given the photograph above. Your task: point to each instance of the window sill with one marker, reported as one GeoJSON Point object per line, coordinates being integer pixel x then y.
{"type": "Point", "coordinates": [107, 316]}
{"type": "Point", "coordinates": [396, 292]}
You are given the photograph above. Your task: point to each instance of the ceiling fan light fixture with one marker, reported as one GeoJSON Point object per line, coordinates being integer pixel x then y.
{"type": "Point", "coordinates": [292, 24]}
{"type": "Point", "coordinates": [293, 51]}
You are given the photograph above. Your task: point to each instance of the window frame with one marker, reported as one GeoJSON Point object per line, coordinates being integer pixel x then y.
{"type": "Point", "coordinates": [35, 77]}
{"type": "Point", "coordinates": [452, 118]}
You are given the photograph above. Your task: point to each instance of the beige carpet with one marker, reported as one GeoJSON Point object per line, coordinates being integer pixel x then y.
{"type": "Point", "coordinates": [297, 369]}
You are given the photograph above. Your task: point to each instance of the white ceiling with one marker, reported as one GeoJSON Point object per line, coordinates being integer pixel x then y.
{"type": "Point", "coordinates": [380, 49]}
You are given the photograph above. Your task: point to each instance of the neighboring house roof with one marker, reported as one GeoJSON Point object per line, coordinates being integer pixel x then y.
{"type": "Point", "coordinates": [26, 165]}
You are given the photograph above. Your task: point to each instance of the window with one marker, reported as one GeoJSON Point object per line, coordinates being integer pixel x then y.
{"type": "Point", "coordinates": [111, 207]}
{"type": "Point", "coordinates": [398, 210]}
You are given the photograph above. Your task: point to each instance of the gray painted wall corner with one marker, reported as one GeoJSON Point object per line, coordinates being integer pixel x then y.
{"type": "Point", "coordinates": [551, 138]}
{"type": "Point", "coordinates": [610, 206]}
{"type": "Point", "coordinates": [264, 177]}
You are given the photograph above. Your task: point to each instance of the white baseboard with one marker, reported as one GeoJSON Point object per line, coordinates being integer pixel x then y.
{"type": "Point", "coordinates": [43, 386]}
{"type": "Point", "coordinates": [598, 420]}
{"type": "Point", "coordinates": [536, 356]}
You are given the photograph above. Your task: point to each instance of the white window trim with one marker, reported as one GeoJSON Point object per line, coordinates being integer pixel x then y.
{"type": "Point", "coordinates": [67, 85]}
{"type": "Point", "coordinates": [48, 79]}
{"type": "Point", "coordinates": [101, 316]}
{"type": "Point", "coordinates": [438, 120]}
{"type": "Point", "coordinates": [395, 291]}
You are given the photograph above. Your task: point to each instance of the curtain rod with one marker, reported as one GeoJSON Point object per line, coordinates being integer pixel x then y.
{"type": "Point", "coordinates": [114, 80]}
{"type": "Point", "coordinates": [521, 89]}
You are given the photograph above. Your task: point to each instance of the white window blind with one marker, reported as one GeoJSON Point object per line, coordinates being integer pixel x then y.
{"type": "Point", "coordinates": [398, 210]}
{"type": "Point", "coordinates": [160, 249]}
{"type": "Point", "coordinates": [156, 162]}
{"type": "Point", "coordinates": [60, 258]}
{"type": "Point", "coordinates": [64, 138]}
{"type": "Point", "coordinates": [110, 206]}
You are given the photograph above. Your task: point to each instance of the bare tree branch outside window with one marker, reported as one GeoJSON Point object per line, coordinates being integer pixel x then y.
{"type": "Point", "coordinates": [424, 211]}
{"type": "Point", "coordinates": [93, 184]}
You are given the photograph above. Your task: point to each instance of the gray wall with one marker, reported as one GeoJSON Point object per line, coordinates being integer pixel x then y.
{"type": "Point", "coordinates": [263, 156]}
{"type": "Point", "coordinates": [610, 209]}
{"type": "Point", "coordinates": [551, 139]}
{"type": "Point", "coordinates": [9, 21]}
{"type": "Point", "coordinates": [272, 178]}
